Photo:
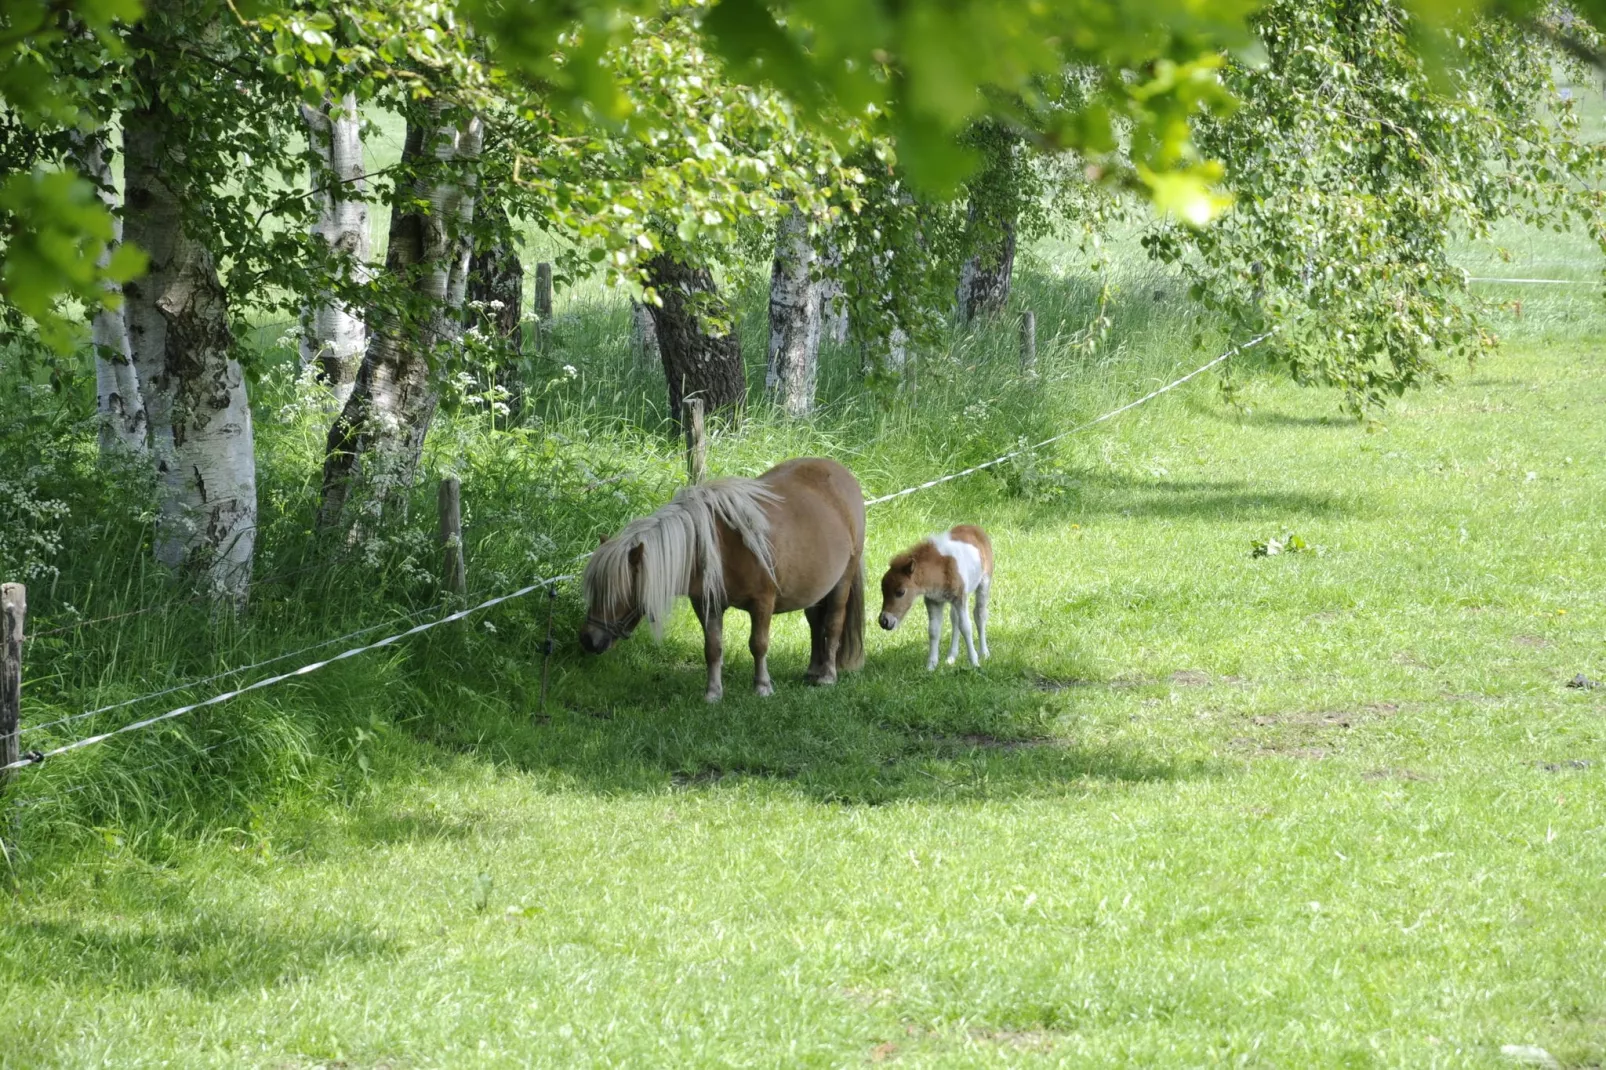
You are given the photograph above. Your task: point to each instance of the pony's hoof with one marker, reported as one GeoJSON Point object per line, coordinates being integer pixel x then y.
{"type": "Point", "coordinates": [821, 679]}
{"type": "Point", "coordinates": [713, 697]}
{"type": "Point", "coordinates": [764, 690]}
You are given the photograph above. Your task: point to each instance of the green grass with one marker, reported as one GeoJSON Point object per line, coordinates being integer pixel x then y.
{"type": "Point", "coordinates": [1318, 809]}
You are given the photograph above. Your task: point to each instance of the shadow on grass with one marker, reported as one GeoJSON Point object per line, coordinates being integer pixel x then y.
{"type": "Point", "coordinates": [635, 721]}
{"type": "Point", "coordinates": [1088, 492]}
{"type": "Point", "coordinates": [179, 946]}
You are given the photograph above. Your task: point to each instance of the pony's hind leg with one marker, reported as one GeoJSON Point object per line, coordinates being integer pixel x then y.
{"type": "Point", "coordinates": [713, 618]}
{"type": "Point", "coordinates": [759, 643]}
{"type": "Point", "coordinates": [982, 594]}
{"type": "Point", "coordinates": [962, 628]}
{"type": "Point", "coordinates": [934, 630]}
{"type": "Point", "coordinates": [833, 619]}
{"type": "Point", "coordinates": [815, 615]}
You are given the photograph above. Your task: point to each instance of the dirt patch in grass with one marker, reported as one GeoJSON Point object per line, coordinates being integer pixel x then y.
{"type": "Point", "coordinates": [1397, 774]}
{"type": "Point", "coordinates": [1533, 642]}
{"type": "Point", "coordinates": [967, 742]}
{"type": "Point", "coordinates": [1277, 748]}
{"type": "Point", "coordinates": [1021, 1039]}
{"type": "Point", "coordinates": [1180, 678]}
{"type": "Point", "coordinates": [1570, 766]}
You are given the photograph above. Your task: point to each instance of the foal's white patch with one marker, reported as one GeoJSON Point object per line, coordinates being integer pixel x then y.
{"type": "Point", "coordinates": [965, 555]}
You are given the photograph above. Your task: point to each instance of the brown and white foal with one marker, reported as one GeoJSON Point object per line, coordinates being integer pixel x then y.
{"type": "Point", "coordinates": [946, 569]}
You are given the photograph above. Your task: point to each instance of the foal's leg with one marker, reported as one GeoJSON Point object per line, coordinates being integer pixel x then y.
{"type": "Point", "coordinates": [962, 627]}
{"type": "Point", "coordinates": [933, 629]}
{"type": "Point", "coordinates": [713, 618]}
{"type": "Point", "coordinates": [982, 594]}
{"type": "Point", "coordinates": [759, 643]}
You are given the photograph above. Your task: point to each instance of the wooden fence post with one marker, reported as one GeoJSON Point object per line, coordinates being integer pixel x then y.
{"type": "Point", "coordinates": [543, 302]}
{"type": "Point", "coordinates": [696, 441]}
{"type": "Point", "coordinates": [454, 572]}
{"type": "Point", "coordinates": [13, 615]}
{"type": "Point", "coordinates": [1028, 343]}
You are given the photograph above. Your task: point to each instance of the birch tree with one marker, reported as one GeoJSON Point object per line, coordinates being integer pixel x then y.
{"type": "Point", "coordinates": [794, 344]}
{"type": "Point", "coordinates": [333, 332]}
{"type": "Point", "coordinates": [375, 443]}
{"type": "Point", "coordinates": [183, 350]}
{"type": "Point", "coordinates": [119, 405]}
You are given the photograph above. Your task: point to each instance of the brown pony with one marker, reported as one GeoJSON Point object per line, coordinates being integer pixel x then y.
{"type": "Point", "coordinates": [791, 539]}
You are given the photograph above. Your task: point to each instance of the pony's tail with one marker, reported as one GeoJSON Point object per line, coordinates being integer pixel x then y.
{"type": "Point", "coordinates": [850, 651]}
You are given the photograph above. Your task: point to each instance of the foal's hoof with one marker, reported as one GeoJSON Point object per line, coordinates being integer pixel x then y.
{"type": "Point", "coordinates": [713, 697]}
{"type": "Point", "coordinates": [764, 690]}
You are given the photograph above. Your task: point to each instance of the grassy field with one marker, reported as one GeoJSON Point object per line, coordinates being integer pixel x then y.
{"type": "Point", "coordinates": [1328, 808]}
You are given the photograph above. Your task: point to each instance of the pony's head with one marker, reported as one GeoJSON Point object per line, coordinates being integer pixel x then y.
{"type": "Point", "coordinates": [611, 582]}
{"type": "Point", "coordinates": [899, 589]}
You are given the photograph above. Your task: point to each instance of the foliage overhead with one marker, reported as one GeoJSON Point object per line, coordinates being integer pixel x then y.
{"type": "Point", "coordinates": [1354, 164]}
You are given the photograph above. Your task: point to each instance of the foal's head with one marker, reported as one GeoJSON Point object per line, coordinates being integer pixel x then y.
{"type": "Point", "coordinates": [910, 575]}
{"type": "Point", "coordinates": [612, 608]}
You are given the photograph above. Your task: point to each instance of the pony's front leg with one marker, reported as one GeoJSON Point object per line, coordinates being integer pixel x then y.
{"type": "Point", "coordinates": [934, 630]}
{"type": "Point", "coordinates": [713, 618]}
{"type": "Point", "coordinates": [759, 643]}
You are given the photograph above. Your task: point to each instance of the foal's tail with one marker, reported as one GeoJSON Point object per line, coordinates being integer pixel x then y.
{"type": "Point", "coordinates": [850, 651]}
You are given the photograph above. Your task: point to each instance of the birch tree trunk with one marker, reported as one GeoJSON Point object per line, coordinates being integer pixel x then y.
{"type": "Point", "coordinates": [985, 278]}
{"type": "Point", "coordinates": [376, 441]}
{"type": "Point", "coordinates": [833, 303]}
{"type": "Point", "coordinates": [696, 363]}
{"type": "Point", "coordinates": [794, 350]}
{"type": "Point", "coordinates": [194, 390]}
{"type": "Point", "coordinates": [119, 405]}
{"type": "Point", "coordinates": [333, 333]}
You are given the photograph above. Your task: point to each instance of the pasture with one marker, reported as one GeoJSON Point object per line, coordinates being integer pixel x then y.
{"type": "Point", "coordinates": [1333, 807]}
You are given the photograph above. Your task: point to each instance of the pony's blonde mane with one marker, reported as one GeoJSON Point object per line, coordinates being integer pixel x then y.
{"type": "Point", "coordinates": [678, 540]}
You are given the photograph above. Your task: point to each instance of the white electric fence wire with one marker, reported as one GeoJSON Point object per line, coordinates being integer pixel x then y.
{"type": "Point", "coordinates": [1537, 282]}
{"type": "Point", "coordinates": [36, 758]}
{"type": "Point", "coordinates": [1012, 454]}
{"type": "Point", "coordinates": [271, 680]}
{"type": "Point", "coordinates": [216, 676]}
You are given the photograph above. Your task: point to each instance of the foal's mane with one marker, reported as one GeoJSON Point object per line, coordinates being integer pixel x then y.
{"type": "Point", "coordinates": [677, 540]}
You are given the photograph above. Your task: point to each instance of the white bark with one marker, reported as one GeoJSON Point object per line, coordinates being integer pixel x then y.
{"type": "Point", "coordinates": [119, 406]}
{"type": "Point", "coordinates": [195, 394]}
{"type": "Point", "coordinates": [794, 318]}
{"type": "Point", "coordinates": [334, 333]}
{"type": "Point", "coordinates": [379, 436]}
{"type": "Point", "coordinates": [833, 303]}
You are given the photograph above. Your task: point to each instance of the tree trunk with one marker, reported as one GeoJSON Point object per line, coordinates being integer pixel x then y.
{"type": "Point", "coordinates": [985, 278]}
{"type": "Point", "coordinates": [833, 302]}
{"type": "Point", "coordinates": [643, 336]}
{"type": "Point", "coordinates": [696, 363]}
{"type": "Point", "coordinates": [378, 438]}
{"type": "Point", "coordinates": [496, 283]}
{"type": "Point", "coordinates": [195, 398]}
{"type": "Point", "coordinates": [333, 333]}
{"type": "Point", "coordinates": [794, 318]}
{"type": "Point", "coordinates": [119, 404]}
{"type": "Point", "coordinates": [496, 280]}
